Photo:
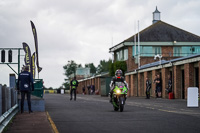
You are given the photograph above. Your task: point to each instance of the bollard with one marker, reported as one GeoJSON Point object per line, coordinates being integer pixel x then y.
{"type": "Point", "coordinates": [0, 99]}
{"type": "Point", "coordinates": [9, 98]}
{"type": "Point", "coordinates": [16, 97]}
{"type": "Point", "coordinates": [12, 97]}
{"type": "Point", "coordinates": [12, 80]}
{"type": "Point", "coordinates": [4, 104]}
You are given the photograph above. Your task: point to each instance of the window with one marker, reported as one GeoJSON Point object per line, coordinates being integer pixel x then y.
{"type": "Point", "coordinates": [157, 50]}
{"type": "Point", "coordinates": [196, 49]}
{"type": "Point", "coordinates": [177, 51]}
{"type": "Point", "coordinates": [133, 48]}
{"type": "Point", "coordinates": [125, 54]}
{"type": "Point", "coordinates": [186, 50]}
{"type": "Point", "coordinates": [122, 55]}
{"type": "Point", "coordinates": [147, 51]}
{"type": "Point", "coordinates": [117, 54]}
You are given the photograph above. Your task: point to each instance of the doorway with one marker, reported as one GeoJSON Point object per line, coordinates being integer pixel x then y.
{"type": "Point", "coordinates": [196, 78]}
{"type": "Point", "coordinates": [182, 85]}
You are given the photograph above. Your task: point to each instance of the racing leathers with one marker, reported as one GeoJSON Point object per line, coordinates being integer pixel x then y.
{"type": "Point", "coordinates": [112, 84]}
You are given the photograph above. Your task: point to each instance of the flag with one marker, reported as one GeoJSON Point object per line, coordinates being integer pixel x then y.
{"type": "Point", "coordinates": [36, 46]}
{"type": "Point", "coordinates": [33, 65]}
{"type": "Point", "coordinates": [27, 58]}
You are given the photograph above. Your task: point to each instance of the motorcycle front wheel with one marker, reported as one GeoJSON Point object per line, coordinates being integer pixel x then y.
{"type": "Point", "coordinates": [121, 108]}
{"type": "Point", "coordinates": [116, 109]}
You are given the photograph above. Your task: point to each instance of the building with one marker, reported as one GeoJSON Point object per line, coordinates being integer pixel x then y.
{"type": "Point", "coordinates": [180, 52]}
{"type": "Point", "coordinates": [160, 38]}
{"type": "Point", "coordinates": [82, 73]}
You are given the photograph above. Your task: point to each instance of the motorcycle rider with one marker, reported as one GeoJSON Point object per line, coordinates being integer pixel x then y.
{"type": "Point", "coordinates": [117, 78]}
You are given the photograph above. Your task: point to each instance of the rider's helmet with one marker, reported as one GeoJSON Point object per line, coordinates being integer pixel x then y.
{"type": "Point", "coordinates": [118, 73]}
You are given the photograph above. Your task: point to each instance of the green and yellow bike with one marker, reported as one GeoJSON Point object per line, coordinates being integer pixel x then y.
{"type": "Point", "coordinates": [119, 96]}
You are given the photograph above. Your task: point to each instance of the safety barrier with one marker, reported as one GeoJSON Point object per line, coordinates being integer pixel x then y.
{"type": "Point", "coordinates": [9, 106]}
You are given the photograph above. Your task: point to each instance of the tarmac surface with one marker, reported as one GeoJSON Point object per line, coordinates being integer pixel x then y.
{"type": "Point", "coordinates": [94, 114]}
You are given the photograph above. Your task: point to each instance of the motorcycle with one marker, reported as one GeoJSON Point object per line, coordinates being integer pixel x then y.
{"type": "Point", "coordinates": [119, 96]}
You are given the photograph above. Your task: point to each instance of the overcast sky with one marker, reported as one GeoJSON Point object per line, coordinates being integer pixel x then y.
{"type": "Point", "coordinates": [82, 30]}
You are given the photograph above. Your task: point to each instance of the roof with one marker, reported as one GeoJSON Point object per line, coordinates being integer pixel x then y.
{"type": "Point", "coordinates": [165, 62]}
{"type": "Point", "coordinates": [164, 32]}
{"type": "Point", "coordinates": [156, 11]}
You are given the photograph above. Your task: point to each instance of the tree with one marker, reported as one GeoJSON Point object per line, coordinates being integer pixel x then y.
{"type": "Point", "coordinates": [118, 65]}
{"type": "Point", "coordinates": [66, 85]}
{"type": "Point", "coordinates": [92, 68]}
{"type": "Point", "coordinates": [70, 68]}
{"type": "Point", "coordinates": [104, 66]}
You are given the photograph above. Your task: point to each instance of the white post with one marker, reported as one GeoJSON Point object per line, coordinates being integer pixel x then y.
{"type": "Point", "coordinates": [0, 99]}
{"type": "Point", "coordinates": [135, 38]}
{"type": "Point", "coordinates": [138, 46]}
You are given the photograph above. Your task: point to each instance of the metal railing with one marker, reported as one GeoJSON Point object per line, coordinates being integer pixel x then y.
{"type": "Point", "coordinates": [8, 105]}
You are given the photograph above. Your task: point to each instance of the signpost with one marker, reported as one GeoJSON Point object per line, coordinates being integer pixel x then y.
{"type": "Point", "coordinates": [9, 63]}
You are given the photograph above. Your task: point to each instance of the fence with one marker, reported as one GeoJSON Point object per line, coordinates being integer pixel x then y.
{"type": "Point", "coordinates": [8, 105]}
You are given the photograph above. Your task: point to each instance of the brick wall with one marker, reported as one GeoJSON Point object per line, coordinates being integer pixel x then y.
{"type": "Point", "coordinates": [145, 76]}
{"type": "Point", "coordinates": [135, 85]}
{"type": "Point", "coordinates": [131, 87]}
{"type": "Point", "coordinates": [165, 73]}
{"type": "Point", "coordinates": [131, 65]}
{"type": "Point", "coordinates": [189, 76]}
{"type": "Point", "coordinates": [167, 51]}
{"type": "Point", "coordinates": [177, 82]}
{"type": "Point", "coordinates": [141, 84]}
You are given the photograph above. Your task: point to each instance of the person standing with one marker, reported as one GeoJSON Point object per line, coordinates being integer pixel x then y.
{"type": "Point", "coordinates": [25, 85]}
{"type": "Point", "coordinates": [159, 86]}
{"type": "Point", "coordinates": [89, 87]}
{"type": "Point", "coordinates": [74, 85]}
{"type": "Point", "coordinates": [83, 89]}
{"type": "Point", "coordinates": [148, 87]}
{"type": "Point", "coordinates": [169, 87]}
{"type": "Point", "coordinates": [156, 92]}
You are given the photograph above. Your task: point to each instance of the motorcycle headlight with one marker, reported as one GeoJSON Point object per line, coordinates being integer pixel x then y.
{"type": "Point", "coordinates": [118, 91]}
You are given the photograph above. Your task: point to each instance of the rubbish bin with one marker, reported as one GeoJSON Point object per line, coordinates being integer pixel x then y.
{"type": "Point", "coordinates": [38, 88]}
{"type": "Point", "coordinates": [105, 86]}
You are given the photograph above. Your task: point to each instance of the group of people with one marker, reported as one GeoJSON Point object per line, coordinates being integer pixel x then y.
{"type": "Point", "coordinates": [91, 89]}
{"type": "Point", "coordinates": [158, 89]}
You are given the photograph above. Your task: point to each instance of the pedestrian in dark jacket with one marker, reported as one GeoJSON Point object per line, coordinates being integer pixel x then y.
{"type": "Point", "coordinates": [159, 86]}
{"type": "Point", "coordinates": [169, 86]}
{"type": "Point", "coordinates": [74, 85]}
{"type": "Point", "coordinates": [148, 87]}
{"type": "Point", "coordinates": [25, 85]}
{"type": "Point", "coordinates": [83, 89]}
{"type": "Point", "coordinates": [156, 92]}
{"type": "Point", "coordinates": [92, 89]}
{"type": "Point", "coordinates": [89, 87]}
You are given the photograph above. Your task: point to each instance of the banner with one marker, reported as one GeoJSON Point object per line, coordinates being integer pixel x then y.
{"type": "Point", "coordinates": [36, 46]}
{"type": "Point", "coordinates": [33, 65]}
{"type": "Point", "coordinates": [27, 58]}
